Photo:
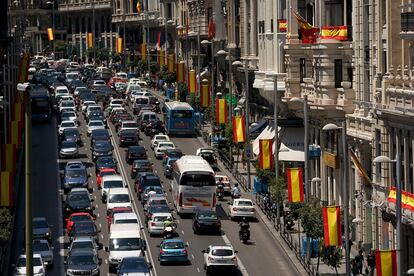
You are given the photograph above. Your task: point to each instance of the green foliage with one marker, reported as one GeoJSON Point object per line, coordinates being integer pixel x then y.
{"type": "Point", "coordinates": [277, 189]}
{"type": "Point", "coordinates": [311, 216]}
{"type": "Point", "coordinates": [332, 256]}
{"type": "Point", "coordinates": [60, 46]}
{"type": "Point", "coordinates": [168, 77]}
{"type": "Point", "coordinates": [5, 224]}
{"type": "Point", "coordinates": [295, 208]}
{"type": "Point", "coordinates": [115, 57]}
{"type": "Point", "coordinates": [264, 175]}
{"type": "Point", "coordinates": [154, 68]}
{"type": "Point", "coordinates": [142, 66]}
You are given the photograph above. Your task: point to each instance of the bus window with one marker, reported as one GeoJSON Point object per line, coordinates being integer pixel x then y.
{"type": "Point", "coordinates": [182, 114]}
{"type": "Point", "coordinates": [197, 180]}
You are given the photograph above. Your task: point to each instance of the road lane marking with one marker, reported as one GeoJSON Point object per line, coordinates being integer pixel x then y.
{"type": "Point", "coordinates": [100, 226]}
{"type": "Point", "coordinates": [98, 215]}
{"type": "Point", "coordinates": [102, 237]}
{"type": "Point", "coordinates": [182, 231]}
{"type": "Point", "coordinates": [192, 256]}
{"type": "Point", "coordinates": [242, 268]}
{"type": "Point", "coordinates": [198, 269]}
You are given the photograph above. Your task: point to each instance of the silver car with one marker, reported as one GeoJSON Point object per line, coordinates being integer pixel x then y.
{"type": "Point", "coordinates": [43, 248]}
{"type": "Point", "coordinates": [68, 149]}
{"type": "Point", "coordinates": [41, 229]}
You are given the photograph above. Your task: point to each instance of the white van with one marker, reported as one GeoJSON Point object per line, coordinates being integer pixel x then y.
{"type": "Point", "coordinates": [117, 197]}
{"type": "Point", "coordinates": [110, 182]}
{"type": "Point", "coordinates": [125, 218]}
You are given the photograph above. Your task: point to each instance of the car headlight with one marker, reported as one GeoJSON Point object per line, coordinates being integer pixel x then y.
{"type": "Point", "coordinates": [95, 271]}
{"type": "Point", "coordinates": [47, 234]}
{"type": "Point", "coordinates": [88, 208]}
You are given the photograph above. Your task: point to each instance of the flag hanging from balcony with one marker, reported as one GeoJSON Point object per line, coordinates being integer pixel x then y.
{"type": "Point", "coordinates": [386, 262]}
{"type": "Point", "coordinates": [180, 71]}
{"type": "Point", "coordinates": [50, 34]}
{"type": "Point", "coordinates": [6, 189]}
{"type": "Point", "coordinates": [160, 40]}
{"type": "Point", "coordinates": [192, 82]}
{"type": "Point", "coordinates": [9, 159]}
{"type": "Point", "coordinates": [282, 25]}
{"type": "Point", "coordinates": [221, 111]}
{"type": "Point", "coordinates": [334, 32]}
{"type": "Point", "coordinates": [332, 225]}
{"type": "Point", "coordinates": [407, 199]}
{"type": "Point", "coordinates": [171, 63]}
{"type": "Point", "coordinates": [239, 133]}
{"type": "Point", "coordinates": [119, 45]}
{"type": "Point", "coordinates": [90, 40]}
{"type": "Point", "coordinates": [266, 154]}
{"type": "Point", "coordinates": [139, 10]}
{"type": "Point", "coordinates": [205, 95]}
{"type": "Point", "coordinates": [308, 32]}
{"type": "Point", "coordinates": [143, 51]}
{"type": "Point", "coordinates": [24, 68]}
{"type": "Point", "coordinates": [359, 166]}
{"type": "Point", "coordinates": [211, 29]}
{"type": "Point", "coordinates": [295, 184]}
{"type": "Point", "coordinates": [160, 57]}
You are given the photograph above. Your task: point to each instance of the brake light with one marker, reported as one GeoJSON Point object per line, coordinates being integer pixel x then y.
{"type": "Point", "coordinates": [152, 223]}
{"type": "Point", "coordinates": [162, 251]}
{"type": "Point", "coordinates": [180, 200]}
{"type": "Point", "coordinates": [234, 209]}
{"type": "Point", "coordinates": [253, 210]}
{"type": "Point", "coordinates": [214, 199]}
{"type": "Point", "coordinates": [184, 251]}
{"type": "Point", "coordinates": [210, 258]}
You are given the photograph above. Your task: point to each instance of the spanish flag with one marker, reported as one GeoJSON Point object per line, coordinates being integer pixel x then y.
{"type": "Point", "coordinates": [171, 62]}
{"type": "Point", "coordinates": [295, 184]}
{"type": "Point", "coordinates": [6, 189]}
{"type": "Point", "coordinates": [90, 40]}
{"type": "Point", "coordinates": [221, 111]}
{"type": "Point", "coordinates": [9, 159]}
{"type": "Point", "coordinates": [332, 225]}
{"type": "Point", "coordinates": [266, 154]}
{"type": "Point", "coordinates": [119, 45]}
{"type": "Point", "coordinates": [282, 25]}
{"type": "Point", "coordinates": [239, 133]}
{"type": "Point", "coordinates": [334, 32]}
{"type": "Point", "coordinates": [211, 29]}
{"type": "Point", "coordinates": [24, 68]}
{"type": "Point", "coordinates": [160, 57]}
{"type": "Point", "coordinates": [386, 262]}
{"type": "Point", "coordinates": [192, 82]}
{"type": "Point", "coordinates": [205, 95]}
{"type": "Point", "coordinates": [308, 31]}
{"type": "Point", "coordinates": [50, 34]}
{"type": "Point", "coordinates": [180, 71]}
{"type": "Point", "coordinates": [407, 199]}
{"type": "Point", "coordinates": [143, 51]}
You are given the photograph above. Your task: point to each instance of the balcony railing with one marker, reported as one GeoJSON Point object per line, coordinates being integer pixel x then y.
{"type": "Point", "coordinates": [407, 22]}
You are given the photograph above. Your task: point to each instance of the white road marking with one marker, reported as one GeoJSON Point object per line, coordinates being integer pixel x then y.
{"type": "Point", "coordinates": [98, 215]}
{"type": "Point", "coordinates": [102, 236]}
{"type": "Point", "coordinates": [100, 226]}
{"type": "Point", "coordinates": [178, 221]}
{"type": "Point", "coordinates": [242, 268]}
{"type": "Point", "coordinates": [106, 262]}
{"type": "Point", "coordinates": [192, 256]}
{"type": "Point", "coordinates": [182, 231]}
{"type": "Point", "coordinates": [188, 244]}
{"type": "Point", "coordinates": [96, 206]}
{"type": "Point", "coordinates": [198, 269]}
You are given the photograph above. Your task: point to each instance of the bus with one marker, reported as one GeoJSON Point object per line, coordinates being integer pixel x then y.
{"type": "Point", "coordinates": [40, 104]}
{"type": "Point", "coordinates": [179, 118]}
{"type": "Point", "coordinates": [193, 185]}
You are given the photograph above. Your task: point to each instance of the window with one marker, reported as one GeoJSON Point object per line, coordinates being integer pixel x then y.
{"type": "Point", "coordinates": [302, 69]}
{"type": "Point", "coordinates": [333, 8]}
{"type": "Point", "coordinates": [338, 72]}
{"type": "Point", "coordinates": [332, 142]}
{"type": "Point", "coordinates": [182, 114]}
{"type": "Point", "coordinates": [271, 25]}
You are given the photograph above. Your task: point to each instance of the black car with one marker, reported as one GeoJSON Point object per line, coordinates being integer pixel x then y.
{"type": "Point", "coordinates": [100, 134]}
{"type": "Point", "coordinates": [72, 135]}
{"type": "Point", "coordinates": [134, 153]}
{"type": "Point", "coordinates": [146, 180]}
{"type": "Point", "coordinates": [77, 200]}
{"type": "Point", "coordinates": [171, 153]}
{"type": "Point", "coordinates": [205, 220]}
{"type": "Point", "coordinates": [101, 148]}
{"type": "Point", "coordinates": [134, 266]}
{"type": "Point", "coordinates": [84, 229]}
{"type": "Point", "coordinates": [103, 92]}
{"type": "Point", "coordinates": [138, 166]}
{"type": "Point", "coordinates": [82, 261]}
{"type": "Point", "coordinates": [128, 137]}
{"type": "Point", "coordinates": [94, 114]}
{"type": "Point", "coordinates": [105, 162]}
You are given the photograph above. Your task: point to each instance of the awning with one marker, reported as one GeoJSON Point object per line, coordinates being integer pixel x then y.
{"type": "Point", "coordinates": [259, 126]}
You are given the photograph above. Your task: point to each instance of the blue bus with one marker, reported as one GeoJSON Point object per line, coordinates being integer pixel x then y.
{"type": "Point", "coordinates": [179, 118]}
{"type": "Point", "coordinates": [41, 104]}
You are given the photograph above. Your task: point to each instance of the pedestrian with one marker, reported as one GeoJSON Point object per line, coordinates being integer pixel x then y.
{"type": "Point", "coordinates": [354, 268]}
{"type": "Point", "coordinates": [359, 260]}
{"type": "Point", "coordinates": [371, 262]}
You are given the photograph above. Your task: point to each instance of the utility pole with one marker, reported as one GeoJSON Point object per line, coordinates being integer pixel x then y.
{"type": "Point", "coordinates": [93, 30]}
{"type": "Point", "coordinates": [247, 122]}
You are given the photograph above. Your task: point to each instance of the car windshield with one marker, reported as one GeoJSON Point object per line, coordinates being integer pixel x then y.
{"type": "Point", "coordinates": [71, 132]}
{"type": "Point", "coordinates": [159, 201]}
{"type": "Point", "coordinates": [161, 138]}
{"type": "Point", "coordinates": [113, 184]}
{"type": "Point", "coordinates": [198, 180]}
{"type": "Point", "coordinates": [170, 145]}
{"type": "Point", "coordinates": [82, 244]}
{"type": "Point", "coordinates": [106, 161]}
{"type": "Point", "coordinates": [68, 144]}
{"type": "Point", "coordinates": [151, 182]}
{"type": "Point", "coordinates": [207, 215]}
{"type": "Point", "coordinates": [107, 173]}
{"type": "Point", "coordinates": [40, 246]}
{"type": "Point", "coordinates": [182, 114]}
{"type": "Point", "coordinates": [126, 221]}
{"type": "Point", "coordinates": [118, 198]}
{"type": "Point", "coordinates": [75, 173]}
{"type": "Point", "coordinates": [80, 218]}
{"type": "Point", "coordinates": [40, 224]}
{"type": "Point", "coordinates": [160, 218]}
{"type": "Point", "coordinates": [125, 244]}
{"type": "Point", "coordinates": [141, 163]}
{"type": "Point", "coordinates": [130, 125]}
{"type": "Point", "coordinates": [245, 203]}
{"type": "Point", "coordinates": [102, 145]}
{"type": "Point", "coordinates": [83, 227]}
{"type": "Point", "coordinates": [22, 262]}
{"type": "Point", "coordinates": [134, 265]}
{"type": "Point", "coordinates": [173, 245]}
{"type": "Point", "coordinates": [82, 260]}
{"type": "Point", "coordinates": [222, 252]}
{"type": "Point", "coordinates": [158, 190]}
{"type": "Point", "coordinates": [171, 161]}
{"type": "Point", "coordinates": [159, 209]}
{"type": "Point", "coordinates": [67, 104]}
{"type": "Point", "coordinates": [96, 123]}
{"type": "Point", "coordinates": [100, 132]}
{"type": "Point", "coordinates": [78, 197]}
{"type": "Point", "coordinates": [174, 153]}
{"type": "Point", "coordinates": [67, 124]}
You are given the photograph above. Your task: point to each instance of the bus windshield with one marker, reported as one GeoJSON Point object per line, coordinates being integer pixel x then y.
{"type": "Point", "coordinates": [197, 180]}
{"type": "Point", "coordinates": [40, 105]}
{"type": "Point", "coordinates": [182, 114]}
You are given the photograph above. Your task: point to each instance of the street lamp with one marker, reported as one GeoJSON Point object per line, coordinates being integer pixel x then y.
{"type": "Point", "coordinates": [181, 27]}
{"type": "Point", "coordinates": [53, 23]}
{"type": "Point", "coordinates": [230, 104]}
{"type": "Point", "coordinates": [333, 127]}
{"type": "Point", "coordinates": [397, 161]}
{"type": "Point", "coordinates": [93, 29]}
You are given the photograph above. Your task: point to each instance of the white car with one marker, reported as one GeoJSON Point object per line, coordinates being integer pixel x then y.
{"type": "Point", "coordinates": [65, 124]}
{"type": "Point", "coordinates": [86, 104]}
{"type": "Point", "coordinates": [70, 116]}
{"type": "Point", "coordinates": [38, 266]}
{"type": "Point", "coordinates": [128, 125]}
{"type": "Point", "coordinates": [156, 223]}
{"type": "Point", "coordinates": [94, 124]}
{"type": "Point", "coordinates": [116, 102]}
{"type": "Point", "coordinates": [225, 180]}
{"type": "Point", "coordinates": [159, 138]}
{"type": "Point", "coordinates": [242, 207]}
{"type": "Point", "coordinates": [67, 104]}
{"type": "Point", "coordinates": [110, 182]}
{"type": "Point", "coordinates": [161, 147]}
{"type": "Point", "coordinates": [98, 83]}
{"type": "Point", "coordinates": [93, 108]}
{"type": "Point", "coordinates": [118, 197]}
{"type": "Point", "coordinates": [216, 256]}
{"type": "Point", "coordinates": [121, 75]}
{"type": "Point", "coordinates": [61, 90]}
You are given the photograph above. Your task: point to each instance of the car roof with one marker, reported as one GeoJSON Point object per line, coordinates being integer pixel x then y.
{"type": "Point", "coordinates": [79, 190]}
{"type": "Point", "coordinates": [82, 251]}
{"type": "Point", "coordinates": [131, 215]}
{"type": "Point", "coordinates": [83, 239]}
{"type": "Point", "coordinates": [118, 191]}
{"type": "Point", "coordinates": [221, 247]}
{"type": "Point", "coordinates": [112, 177]}
{"type": "Point", "coordinates": [124, 230]}
{"type": "Point", "coordinates": [172, 240]}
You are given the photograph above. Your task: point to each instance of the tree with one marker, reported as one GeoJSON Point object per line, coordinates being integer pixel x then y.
{"type": "Point", "coordinates": [5, 224]}
{"type": "Point", "coordinates": [142, 66]}
{"type": "Point", "coordinates": [164, 74]}
{"type": "Point", "coordinates": [332, 256]}
{"type": "Point", "coordinates": [116, 57]}
{"type": "Point", "coordinates": [312, 220]}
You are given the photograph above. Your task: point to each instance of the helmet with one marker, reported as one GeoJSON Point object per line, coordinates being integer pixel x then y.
{"type": "Point", "coordinates": [236, 184]}
{"type": "Point", "coordinates": [244, 219]}
{"type": "Point", "coordinates": [169, 218]}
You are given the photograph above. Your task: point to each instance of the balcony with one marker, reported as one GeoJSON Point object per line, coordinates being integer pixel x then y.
{"type": "Point", "coordinates": [137, 18]}
{"type": "Point", "coordinates": [81, 6]}
{"type": "Point", "coordinates": [407, 25]}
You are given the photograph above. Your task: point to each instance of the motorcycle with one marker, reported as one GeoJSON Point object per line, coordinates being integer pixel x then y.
{"type": "Point", "coordinates": [289, 222]}
{"type": "Point", "coordinates": [169, 232]}
{"type": "Point", "coordinates": [156, 107]}
{"type": "Point", "coordinates": [244, 235]}
{"type": "Point", "coordinates": [220, 191]}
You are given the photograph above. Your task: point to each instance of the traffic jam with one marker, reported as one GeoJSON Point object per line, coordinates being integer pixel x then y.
{"type": "Point", "coordinates": [135, 199]}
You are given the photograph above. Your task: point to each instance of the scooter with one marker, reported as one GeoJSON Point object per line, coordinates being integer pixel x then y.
{"type": "Point", "coordinates": [289, 222]}
{"type": "Point", "coordinates": [169, 232]}
{"type": "Point", "coordinates": [220, 191]}
{"type": "Point", "coordinates": [244, 235]}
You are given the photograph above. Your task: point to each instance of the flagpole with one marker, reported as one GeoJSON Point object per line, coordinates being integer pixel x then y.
{"type": "Point", "coordinates": [345, 197]}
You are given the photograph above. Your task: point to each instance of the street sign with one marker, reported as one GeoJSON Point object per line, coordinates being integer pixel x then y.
{"type": "Point", "coordinates": [233, 99]}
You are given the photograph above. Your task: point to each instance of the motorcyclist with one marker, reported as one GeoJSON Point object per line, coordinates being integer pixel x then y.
{"type": "Point", "coordinates": [244, 227]}
{"type": "Point", "coordinates": [236, 192]}
{"type": "Point", "coordinates": [168, 222]}
{"type": "Point", "coordinates": [220, 188]}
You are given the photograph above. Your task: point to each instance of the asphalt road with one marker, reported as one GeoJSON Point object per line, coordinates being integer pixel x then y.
{"type": "Point", "coordinates": [262, 256]}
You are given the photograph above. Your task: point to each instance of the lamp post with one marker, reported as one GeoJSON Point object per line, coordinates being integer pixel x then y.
{"type": "Point", "coordinates": [52, 2]}
{"type": "Point", "coordinates": [206, 42]}
{"type": "Point", "coordinates": [398, 213]}
{"type": "Point", "coordinates": [333, 127]}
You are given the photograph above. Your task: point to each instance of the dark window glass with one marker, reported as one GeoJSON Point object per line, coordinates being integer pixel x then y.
{"type": "Point", "coordinates": [338, 72]}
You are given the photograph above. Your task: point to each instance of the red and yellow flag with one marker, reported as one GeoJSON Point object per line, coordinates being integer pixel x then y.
{"type": "Point", "coordinates": [24, 68]}
{"type": "Point", "coordinates": [332, 225]}
{"type": "Point", "coordinates": [50, 34]}
{"type": "Point", "coordinates": [180, 71]}
{"type": "Point", "coordinates": [205, 95]}
{"type": "Point", "coordinates": [143, 51]}
{"type": "Point", "coordinates": [90, 40]}
{"type": "Point", "coordinates": [386, 262]}
{"type": "Point", "coordinates": [211, 29]}
{"type": "Point", "coordinates": [119, 45]}
{"type": "Point", "coordinates": [15, 133]}
{"type": "Point", "coordinates": [282, 25]}
{"type": "Point", "coordinates": [334, 32]}
{"type": "Point", "coordinates": [266, 158]}
{"type": "Point", "coordinates": [239, 133]}
{"type": "Point", "coordinates": [6, 189]}
{"type": "Point", "coordinates": [9, 159]}
{"type": "Point", "coordinates": [170, 63]}
{"type": "Point", "coordinates": [160, 57]}
{"type": "Point", "coordinates": [308, 31]}
{"type": "Point", "coordinates": [192, 82]}
{"type": "Point", "coordinates": [295, 184]}
{"type": "Point", "coordinates": [407, 199]}
{"type": "Point", "coordinates": [221, 111]}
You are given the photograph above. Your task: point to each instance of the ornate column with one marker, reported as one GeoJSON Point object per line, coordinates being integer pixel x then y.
{"type": "Point", "coordinates": [246, 28]}
{"type": "Point", "coordinates": [253, 28]}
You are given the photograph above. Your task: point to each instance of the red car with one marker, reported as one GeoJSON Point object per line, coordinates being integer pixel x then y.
{"type": "Point", "coordinates": [117, 210]}
{"type": "Point", "coordinates": [102, 173]}
{"type": "Point", "coordinates": [76, 217]}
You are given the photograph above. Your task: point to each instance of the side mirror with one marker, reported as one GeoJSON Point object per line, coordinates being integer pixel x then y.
{"type": "Point", "coordinates": [236, 251]}
{"type": "Point", "coordinates": [106, 249]}
{"type": "Point", "coordinates": [203, 251]}
{"type": "Point", "coordinates": [100, 246]}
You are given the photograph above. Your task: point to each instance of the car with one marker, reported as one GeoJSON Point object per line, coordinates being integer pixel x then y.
{"type": "Point", "coordinates": [144, 117]}
{"type": "Point", "coordinates": [82, 261]}
{"type": "Point", "coordinates": [145, 180]}
{"type": "Point", "coordinates": [72, 134]}
{"type": "Point", "coordinates": [66, 124]}
{"type": "Point", "coordinates": [67, 104]}
{"type": "Point", "coordinates": [141, 165]}
{"type": "Point", "coordinates": [76, 217]}
{"type": "Point", "coordinates": [92, 108]}
{"type": "Point", "coordinates": [84, 242]}
{"type": "Point", "coordinates": [98, 83]}
{"type": "Point", "coordinates": [171, 153]}
{"type": "Point", "coordinates": [78, 200]}
{"type": "Point", "coordinates": [117, 210]}
{"type": "Point", "coordinates": [122, 218]}
{"type": "Point", "coordinates": [99, 135]}
{"type": "Point", "coordinates": [150, 192]}
{"type": "Point", "coordinates": [242, 207]}
{"type": "Point", "coordinates": [101, 148]}
{"type": "Point", "coordinates": [157, 138]}
{"type": "Point", "coordinates": [79, 90]}
{"type": "Point", "coordinates": [155, 200]}
{"type": "Point", "coordinates": [154, 209]}
{"type": "Point", "coordinates": [173, 250]}
{"type": "Point", "coordinates": [85, 105]}
{"type": "Point", "coordinates": [134, 153]}
{"type": "Point", "coordinates": [38, 266]}
{"type": "Point", "coordinates": [105, 162]}
{"type": "Point", "coordinates": [43, 248]}
{"type": "Point", "coordinates": [156, 223]}
{"type": "Point", "coordinates": [129, 125]}
{"type": "Point", "coordinates": [205, 220]}
{"type": "Point", "coordinates": [219, 257]}
{"type": "Point", "coordinates": [84, 229]}
{"type": "Point", "coordinates": [103, 92]}
{"type": "Point", "coordinates": [41, 229]}
{"type": "Point", "coordinates": [69, 116]}
{"type": "Point", "coordinates": [94, 115]}
{"type": "Point", "coordinates": [161, 147]}
{"type": "Point", "coordinates": [137, 266]}
{"type": "Point", "coordinates": [94, 124]}
{"type": "Point", "coordinates": [118, 197]}
{"type": "Point", "coordinates": [168, 167]}
{"type": "Point", "coordinates": [209, 155]}
{"type": "Point", "coordinates": [110, 182]}
{"type": "Point", "coordinates": [128, 137]}
{"type": "Point", "coordinates": [75, 175]}
{"type": "Point", "coordinates": [68, 149]}
{"type": "Point", "coordinates": [102, 173]}
{"type": "Point", "coordinates": [225, 181]}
